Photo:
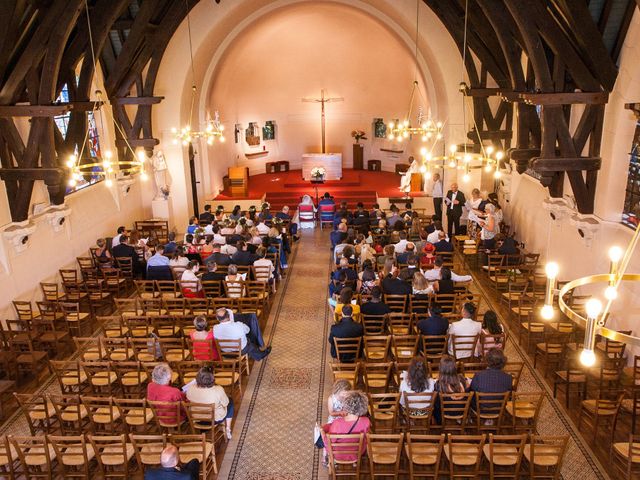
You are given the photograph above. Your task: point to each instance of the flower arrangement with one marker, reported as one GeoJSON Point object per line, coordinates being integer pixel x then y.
{"type": "Point", "coordinates": [359, 135]}
{"type": "Point", "coordinates": [318, 172]}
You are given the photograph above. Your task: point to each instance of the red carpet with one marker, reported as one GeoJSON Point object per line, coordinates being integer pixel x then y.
{"type": "Point", "coordinates": [287, 188]}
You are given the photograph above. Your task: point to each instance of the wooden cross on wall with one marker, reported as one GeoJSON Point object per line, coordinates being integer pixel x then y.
{"type": "Point", "coordinates": [322, 100]}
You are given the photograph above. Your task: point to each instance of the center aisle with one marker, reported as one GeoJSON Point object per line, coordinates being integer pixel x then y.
{"type": "Point", "coordinates": [272, 435]}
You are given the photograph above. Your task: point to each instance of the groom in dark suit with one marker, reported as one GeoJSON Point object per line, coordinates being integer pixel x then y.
{"type": "Point", "coordinates": [454, 201]}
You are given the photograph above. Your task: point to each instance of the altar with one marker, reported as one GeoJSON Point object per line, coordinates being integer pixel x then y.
{"type": "Point", "coordinates": [332, 163]}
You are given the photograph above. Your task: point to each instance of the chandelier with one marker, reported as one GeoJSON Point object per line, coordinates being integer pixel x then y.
{"type": "Point", "coordinates": [103, 166]}
{"type": "Point", "coordinates": [487, 159]}
{"type": "Point", "coordinates": [214, 128]}
{"type": "Point", "coordinates": [595, 315]}
{"type": "Point", "coordinates": [425, 128]}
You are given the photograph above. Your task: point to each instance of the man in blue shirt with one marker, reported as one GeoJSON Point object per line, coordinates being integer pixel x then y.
{"type": "Point", "coordinates": [158, 259]}
{"type": "Point", "coordinates": [442, 245]}
{"type": "Point", "coordinates": [170, 247]}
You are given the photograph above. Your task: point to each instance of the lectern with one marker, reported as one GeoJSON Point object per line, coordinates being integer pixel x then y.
{"type": "Point", "coordinates": [239, 180]}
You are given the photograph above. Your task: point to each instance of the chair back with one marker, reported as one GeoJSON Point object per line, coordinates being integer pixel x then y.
{"type": "Point", "coordinates": [347, 349]}
{"type": "Point", "coordinates": [113, 454]}
{"type": "Point", "coordinates": [377, 348]}
{"type": "Point", "coordinates": [545, 455]}
{"type": "Point", "coordinates": [504, 453]}
{"type": "Point", "coordinates": [148, 449]}
{"type": "Point", "coordinates": [464, 453]}
{"type": "Point", "coordinates": [424, 453]}
{"type": "Point", "coordinates": [489, 410]}
{"type": "Point", "coordinates": [454, 410]}
{"type": "Point", "coordinates": [168, 415]}
{"type": "Point", "coordinates": [35, 454]}
{"type": "Point", "coordinates": [383, 411]}
{"type": "Point", "coordinates": [73, 454]}
{"type": "Point", "coordinates": [345, 453]}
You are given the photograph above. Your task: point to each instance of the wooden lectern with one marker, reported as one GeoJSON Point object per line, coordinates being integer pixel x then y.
{"type": "Point", "coordinates": [239, 180]}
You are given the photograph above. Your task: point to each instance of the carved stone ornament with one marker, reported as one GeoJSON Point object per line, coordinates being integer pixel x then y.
{"type": "Point", "coordinates": [558, 208]}
{"type": "Point", "coordinates": [125, 184]}
{"type": "Point", "coordinates": [18, 234]}
{"type": "Point", "coordinates": [57, 216]}
{"type": "Point", "coordinates": [587, 225]}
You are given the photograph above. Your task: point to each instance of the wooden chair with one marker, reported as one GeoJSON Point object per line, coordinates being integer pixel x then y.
{"type": "Point", "coordinates": [377, 376]}
{"type": "Point", "coordinates": [347, 349]}
{"type": "Point", "coordinates": [167, 289]}
{"type": "Point", "coordinates": [374, 324]}
{"type": "Point", "coordinates": [454, 411]}
{"type": "Point", "coordinates": [232, 350]}
{"type": "Point", "coordinates": [117, 349]}
{"type": "Point", "coordinates": [531, 329]}
{"type": "Point", "coordinates": [73, 454]}
{"type": "Point", "coordinates": [148, 448]}
{"type": "Point", "coordinates": [377, 348]}
{"type": "Point", "coordinates": [102, 379]}
{"type": "Point", "coordinates": [625, 457]}
{"type": "Point", "coordinates": [36, 456]}
{"type": "Point", "coordinates": [71, 414]}
{"type": "Point", "coordinates": [400, 323]}
{"type": "Point", "coordinates": [464, 347]}
{"type": "Point", "coordinates": [601, 411]}
{"type": "Point", "coordinates": [488, 411]}
{"type": "Point", "coordinates": [114, 455]}
{"type": "Point", "coordinates": [384, 452]}
{"type": "Point", "coordinates": [383, 411]}
{"type": "Point", "coordinates": [8, 459]}
{"type": "Point", "coordinates": [78, 323]}
{"type": "Point", "coordinates": [345, 454]}
{"type": "Point", "coordinates": [197, 447]}
{"type": "Point", "coordinates": [38, 412]}
{"type": "Point", "coordinates": [424, 453]}
{"type": "Point", "coordinates": [346, 371]}
{"type": "Point", "coordinates": [397, 303]}
{"type": "Point", "coordinates": [70, 375]}
{"type": "Point", "coordinates": [464, 453]}
{"type": "Point", "coordinates": [524, 409]}
{"type": "Point", "coordinates": [51, 292]}
{"type": "Point", "coordinates": [418, 410]}
{"type": "Point", "coordinates": [29, 360]}
{"type": "Point", "coordinates": [169, 416]}
{"type": "Point", "coordinates": [228, 375]}
{"type": "Point", "coordinates": [515, 370]}
{"type": "Point", "coordinates": [504, 454]}
{"type": "Point", "coordinates": [200, 415]}
{"type": "Point", "coordinates": [135, 414]}
{"type": "Point", "coordinates": [404, 347]}
{"type": "Point", "coordinates": [103, 414]}
{"type": "Point", "coordinates": [545, 455]}
{"type": "Point", "coordinates": [174, 349]}
{"type": "Point", "coordinates": [434, 346]}
{"type": "Point", "coordinates": [572, 377]}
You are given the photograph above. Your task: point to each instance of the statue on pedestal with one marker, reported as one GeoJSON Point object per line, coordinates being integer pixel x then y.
{"type": "Point", "coordinates": [160, 171]}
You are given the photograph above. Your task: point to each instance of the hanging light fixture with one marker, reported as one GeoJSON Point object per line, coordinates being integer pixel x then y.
{"type": "Point", "coordinates": [425, 128]}
{"type": "Point", "coordinates": [214, 128]}
{"type": "Point", "coordinates": [106, 165]}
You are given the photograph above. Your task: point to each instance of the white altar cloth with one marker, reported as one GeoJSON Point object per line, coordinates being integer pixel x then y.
{"type": "Point", "coordinates": [332, 163]}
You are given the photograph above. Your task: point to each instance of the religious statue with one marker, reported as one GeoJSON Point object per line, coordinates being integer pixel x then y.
{"type": "Point", "coordinates": [405, 181]}
{"type": "Point", "coordinates": [160, 168]}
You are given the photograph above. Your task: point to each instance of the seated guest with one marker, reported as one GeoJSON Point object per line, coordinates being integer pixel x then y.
{"type": "Point", "coordinates": [193, 225]}
{"type": "Point", "coordinates": [491, 326]}
{"type": "Point", "coordinates": [375, 306]}
{"type": "Point", "coordinates": [228, 228]}
{"type": "Point", "coordinates": [450, 384]}
{"type": "Point", "coordinates": [445, 284]}
{"type": "Point", "coordinates": [392, 285]}
{"type": "Point", "coordinates": [408, 211]}
{"type": "Point", "coordinates": [158, 259]}
{"type": "Point", "coordinates": [178, 259]}
{"type": "Point", "coordinates": [349, 253]}
{"type": "Point", "coordinates": [434, 274]}
{"type": "Point", "coordinates": [338, 282]}
{"type": "Point", "coordinates": [228, 329]}
{"type": "Point", "coordinates": [229, 248]}
{"type": "Point", "coordinates": [429, 255]}
{"type": "Point", "coordinates": [442, 245]}
{"type": "Point", "coordinates": [243, 256]}
{"type": "Point", "coordinates": [233, 282]}
{"type": "Point", "coordinates": [339, 235]}
{"type": "Point", "coordinates": [432, 226]}
{"type": "Point", "coordinates": [171, 246]}
{"type": "Point", "coordinates": [265, 212]}
{"type": "Point", "coordinates": [211, 274]}
{"type": "Point", "coordinates": [346, 242]}
{"type": "Point", "coordinates": [409, 251]}
{"type": "Point", "coordinates": [204, 347]}
{"type": "Point", "coordinates": [435, 324]}
{"type": "Point", "coordinates": [375, 214]}
{"type": "Point", "coordinates": [190, 283]}
{"type": "Point", "coordinates": [102, 254]}
{"type": "Point", "coordinates": [218, 257]}
{"type": "Point", "coordinates": [265, 264]}
{"type": "Point", "coordinates": [420, 286]}
{"type": "Point", "coordinates": [341, 214]}
{"type": "Point", "coordinates": [334, 402]}
{"type": "Point", "coordinates": [351, 274]}
{"type": "Point", "coordinates": [160, 389]}
{"type": "Point", "coordinates": [356, 406]}
{"type": "Point", "coordinates": [401, 246]}
{"type": "Point", "coordinates": [284, 215]}
{"type": "Point", "coordinates": [346, 298]}
{"type": "Point", "coordinates": [408, 272]}
{"type": "Point", "coordinates": [394, 217]}
{"type": "Point", "coordinates": [434, 237]}
{"type": "Point", "coordinates": [124, 250]}
{"type": "Point", "coordinates": [205, 391]}
{"type": "Point", "coordinates": [115, 241]}
{"type": "Point", "coordinates": [416, 379]}
{"type": "Point", "coordinates": [169, 469]}
{"type": "Point", "coordinates": [206, 216]}
{"type": "Point", "coordinates": [388, 253]}
{"type": "Point", "coordinates": [262, 227]}
{"type": "Point", "coordinates": [326, 199]}
{"type": "Point", "coordinates": [465, 326]}
{"type": "Point", "coordinates": [367, 278]}
{"type": "Point", "coordinates": [190, 246]}
{"type": "Point", "coordinates": [493, 379]}
{"type": "Point", "coordinates": [236, 213]}
{"type": "Point", "coordinates": [220, 216]}
{"type": "Point", "coordinates": [507, 245]}
{"type": "Point", "coordinates": [345, 328]}
{"type": "Point", "coordinates": [361, 218]}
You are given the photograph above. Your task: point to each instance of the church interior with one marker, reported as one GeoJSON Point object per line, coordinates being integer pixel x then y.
{"type": "Point", "coordinates": [312, 239]}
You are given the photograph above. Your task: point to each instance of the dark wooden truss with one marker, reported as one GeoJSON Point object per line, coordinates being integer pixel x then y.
{"type": "Point", "coordinates": [569, 57]}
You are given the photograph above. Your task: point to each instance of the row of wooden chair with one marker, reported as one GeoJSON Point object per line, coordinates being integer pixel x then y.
{"type": "Point", "coordinates": [113, 456]}
{"type": "Point", "coordinates": [454, 456]}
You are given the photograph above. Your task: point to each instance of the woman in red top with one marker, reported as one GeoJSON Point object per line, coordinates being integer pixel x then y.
{"type": "Point", "coordinates": [356, 405]}
{"type": "Point", "coordinates": [203, 344]}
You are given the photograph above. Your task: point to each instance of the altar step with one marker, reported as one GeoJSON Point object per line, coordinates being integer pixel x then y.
{"type": "Point", "coordinates": [279, 199]}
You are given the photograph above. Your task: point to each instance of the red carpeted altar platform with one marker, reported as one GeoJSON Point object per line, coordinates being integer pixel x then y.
{"type": "Point", "coordinates": [287, 188]}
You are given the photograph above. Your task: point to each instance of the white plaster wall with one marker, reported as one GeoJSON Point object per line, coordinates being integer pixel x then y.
{"type": "Point", "coordinates": [559, 240]}
{"type": "Point", "coordinates": [215, 28]}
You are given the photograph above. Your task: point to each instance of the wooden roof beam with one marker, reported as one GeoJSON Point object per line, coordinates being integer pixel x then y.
{"type": "Point", "coordinates": [565, 98]}
{"type": "Point", "coordinates": [34, 110]}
